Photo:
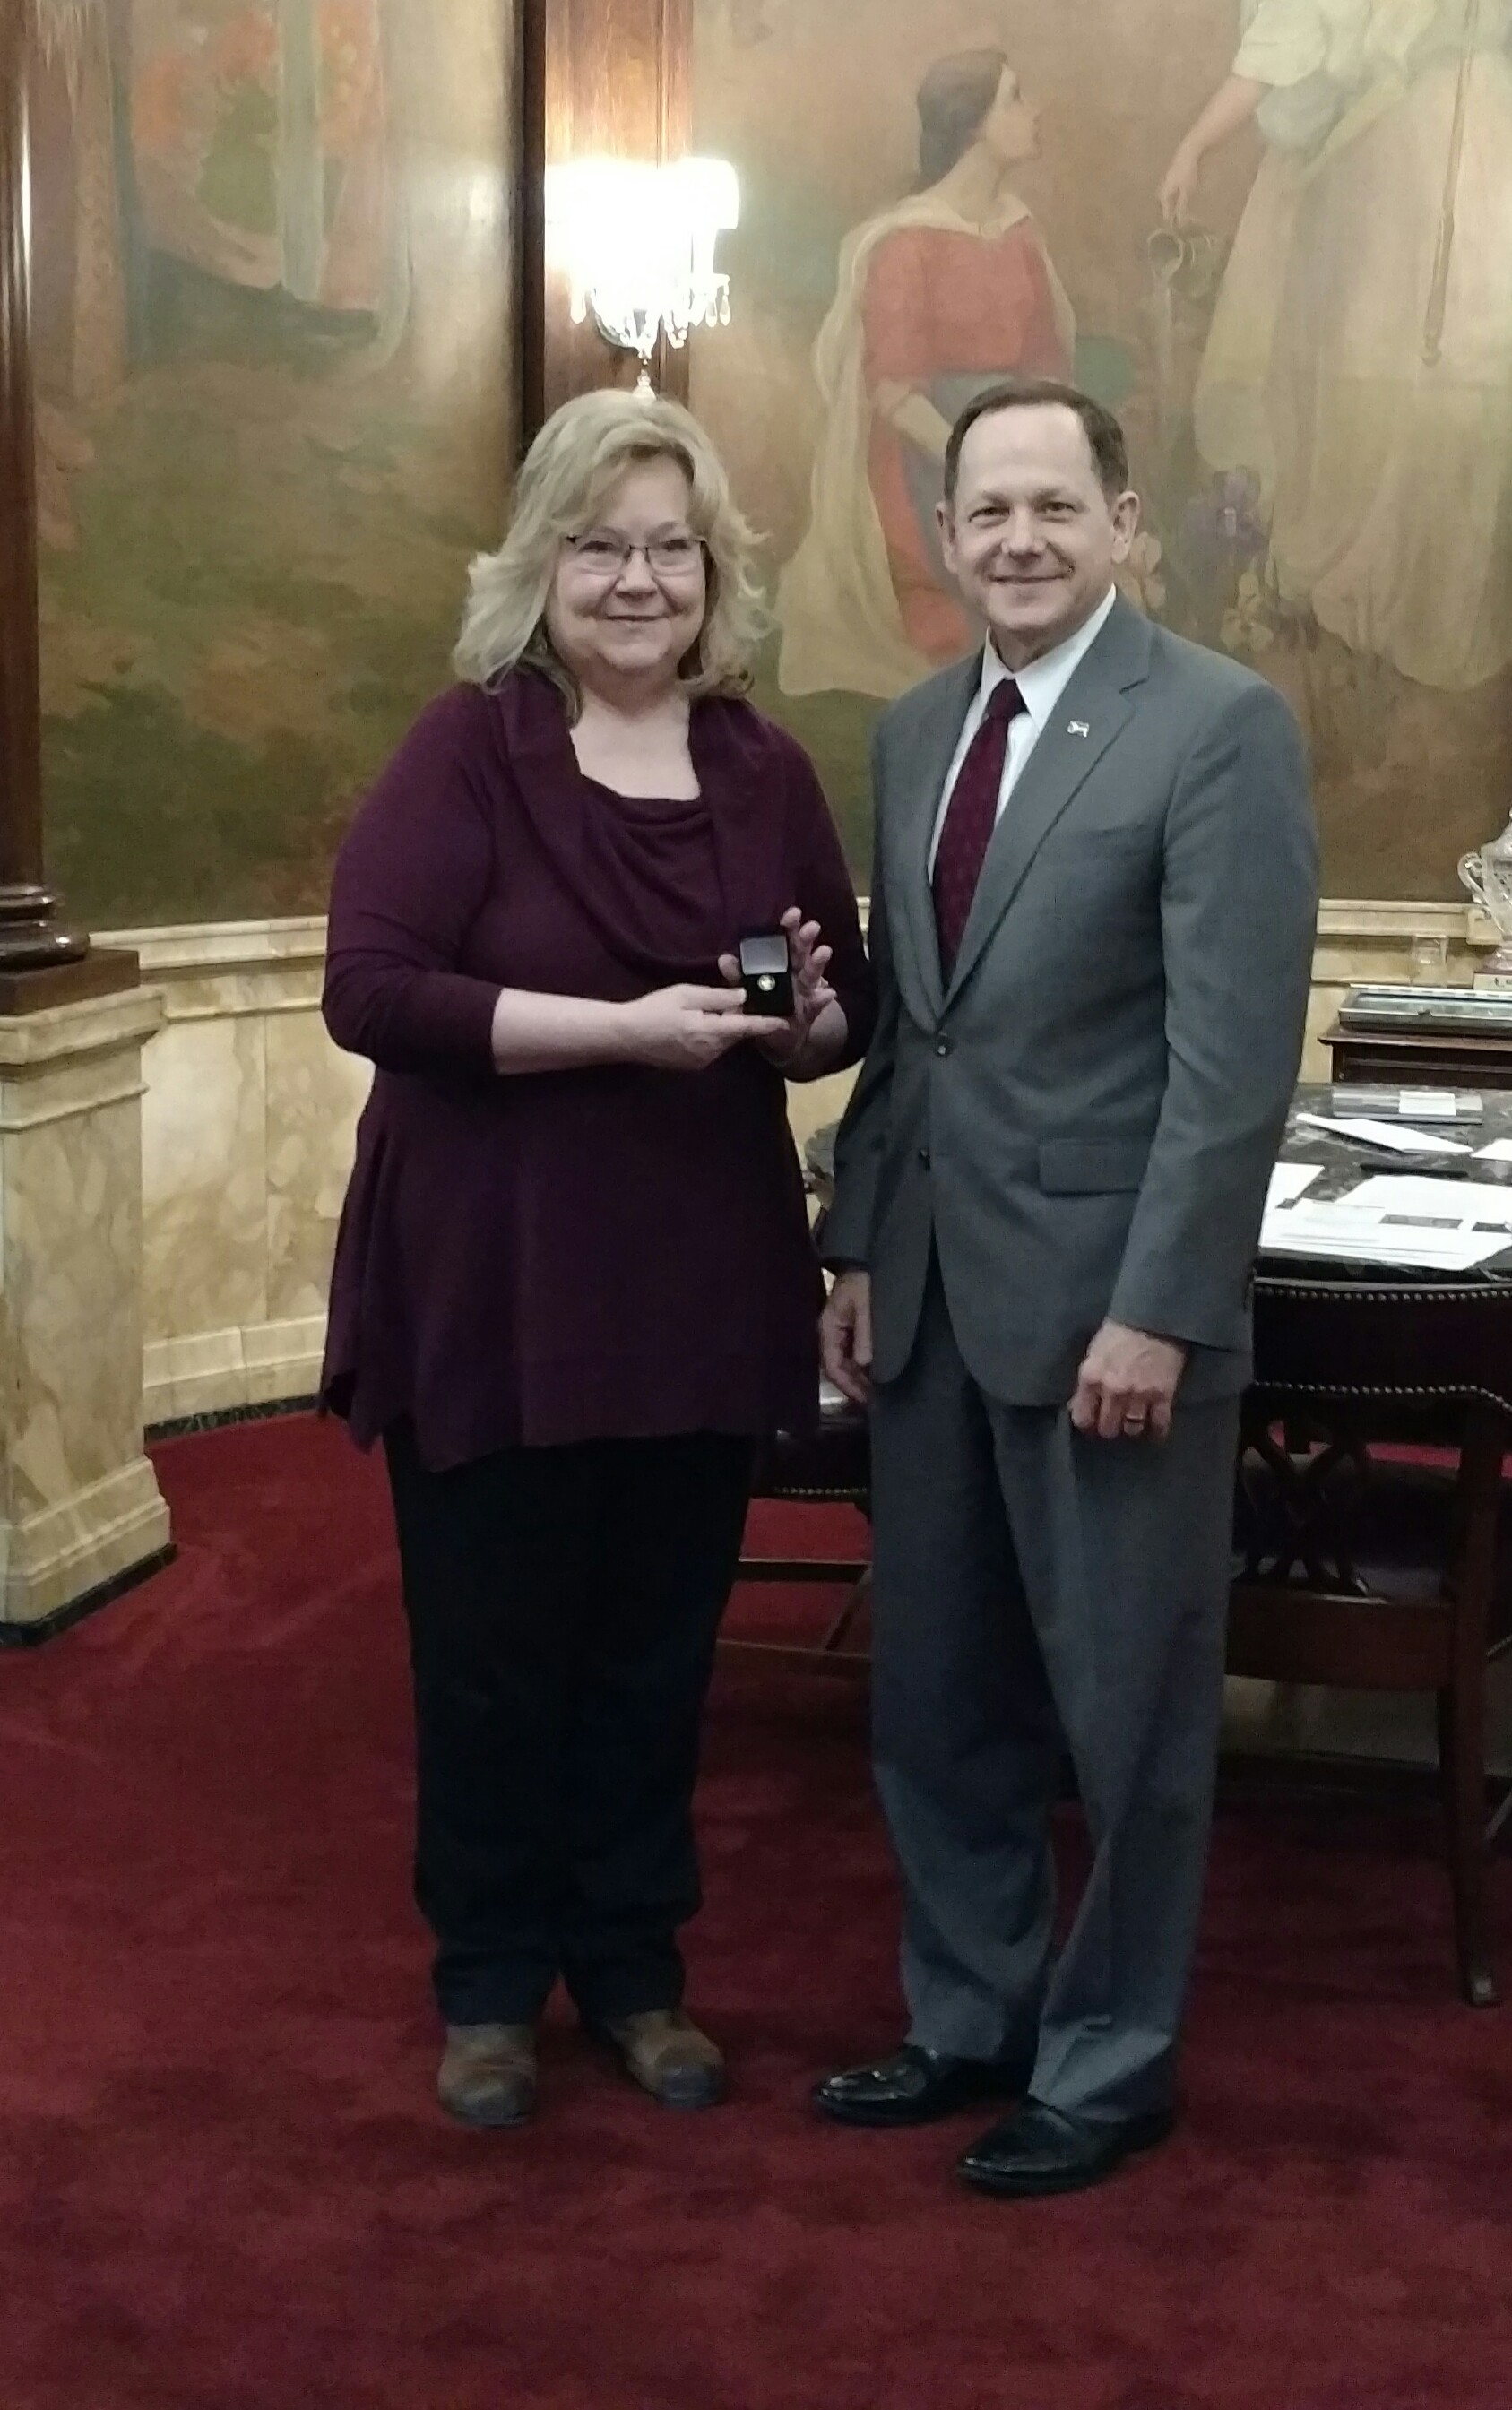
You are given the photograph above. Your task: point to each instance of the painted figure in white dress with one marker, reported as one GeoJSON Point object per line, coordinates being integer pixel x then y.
{"type": "Point", "coordinates": [1360, 361]}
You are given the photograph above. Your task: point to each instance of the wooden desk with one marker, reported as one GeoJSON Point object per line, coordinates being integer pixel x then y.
{"type": "Point", "coordinates": [1401, 1058]}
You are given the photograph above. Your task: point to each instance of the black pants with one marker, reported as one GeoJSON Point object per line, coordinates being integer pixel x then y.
{"type": "Point", "coordinates": [562, 1605]}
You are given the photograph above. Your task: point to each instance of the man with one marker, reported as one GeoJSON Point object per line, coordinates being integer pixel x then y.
{"type": "Point", "coordinates": [1092, 909]}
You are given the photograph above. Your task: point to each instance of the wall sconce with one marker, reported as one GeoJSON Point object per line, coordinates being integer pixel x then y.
{"type": "Point", "coordinates": [636, 243]}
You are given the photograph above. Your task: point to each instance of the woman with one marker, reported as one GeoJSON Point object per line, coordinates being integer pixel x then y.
{"type": "Point", "coordinates": [1360, 361]}
{"type": "Point", "coordinates": [573, 1282]}
{"type": "Point", "coordinates": [945, 293]}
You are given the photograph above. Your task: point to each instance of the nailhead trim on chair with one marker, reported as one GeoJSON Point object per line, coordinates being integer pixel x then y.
{"type": "Point", "coordinates": [815, 1497]}
{"type": "Point", "coordinates": [1305, 1292]}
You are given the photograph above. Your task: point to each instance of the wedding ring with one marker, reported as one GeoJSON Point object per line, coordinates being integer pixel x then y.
{"type": "Point", "coordinates": [1135, 1422]}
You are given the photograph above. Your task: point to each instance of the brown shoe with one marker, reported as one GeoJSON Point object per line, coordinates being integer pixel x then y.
{"type": "Point", "coordinates": [668, 2057]}
{"type": "Point", "coordinates": [488, 2074]}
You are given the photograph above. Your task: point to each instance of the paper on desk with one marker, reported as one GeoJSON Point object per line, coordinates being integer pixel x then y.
{"type": "Point", "coordinates": [1471, 1203]}
{"type": "Point", "coordinates": [1499, 1150]}
{"type": "Point", "coordinates": [1289, 1180]}
{"type": "Point", "coordinates": [1397, 1141]}
{"type": "Point", "coordinates": [1335, 1230]}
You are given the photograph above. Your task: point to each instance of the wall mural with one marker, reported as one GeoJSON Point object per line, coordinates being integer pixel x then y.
{"type": "Point", "coordinates": [1276, 235]}
{"type": "Point", "coordinates": [271, 284]}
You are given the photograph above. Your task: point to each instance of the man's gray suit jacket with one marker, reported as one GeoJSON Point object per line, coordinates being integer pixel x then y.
{"type": "Point", "coordinates": [1083, 1121]}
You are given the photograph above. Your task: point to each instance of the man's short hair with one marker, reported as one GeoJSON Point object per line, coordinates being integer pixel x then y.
{"type": "Point", "coordinates": [1105, 437]}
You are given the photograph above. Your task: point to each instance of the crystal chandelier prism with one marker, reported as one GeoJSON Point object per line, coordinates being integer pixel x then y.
{"type": "Point", "coordinates": [636, 240]}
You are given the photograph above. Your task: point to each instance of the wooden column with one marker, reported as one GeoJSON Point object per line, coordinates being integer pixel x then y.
{"type": "Point", "coordinates": [605, 77]}
{"type": "Point", "coordinates": [41, 961]}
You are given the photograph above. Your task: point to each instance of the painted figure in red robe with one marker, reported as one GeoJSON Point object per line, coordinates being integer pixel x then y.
{"type": "Point", "coordinates": [938, 295]}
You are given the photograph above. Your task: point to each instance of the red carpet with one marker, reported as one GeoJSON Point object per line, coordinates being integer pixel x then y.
{"type": "Point", "coordinates": [224, 2186]}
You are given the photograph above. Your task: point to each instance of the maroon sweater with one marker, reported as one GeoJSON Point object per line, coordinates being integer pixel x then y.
{"type": "Point", "coordinates": [548, 1256]}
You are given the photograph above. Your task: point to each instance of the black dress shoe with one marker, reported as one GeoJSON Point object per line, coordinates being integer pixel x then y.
{"type": "Point", "coordinates": [913, 2087]}
{"type": "Point", "coordinates": [1041, 2150]}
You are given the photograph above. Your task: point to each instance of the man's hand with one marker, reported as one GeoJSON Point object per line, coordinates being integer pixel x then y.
{"type": "Point", "coordinates": [844, 1337]}
{"type": "Point", "coordinates": [1127, 1384]}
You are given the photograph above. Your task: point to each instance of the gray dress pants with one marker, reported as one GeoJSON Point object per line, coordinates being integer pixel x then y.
{"type": "Point", "coordinates": [1036, 1592]}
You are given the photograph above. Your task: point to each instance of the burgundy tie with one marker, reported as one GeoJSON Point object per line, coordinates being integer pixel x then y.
{"type": "Point", "coordinates": [971, 818]}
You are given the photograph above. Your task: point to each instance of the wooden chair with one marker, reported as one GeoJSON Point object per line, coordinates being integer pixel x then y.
{"type": "Point", "coordinates": [832, 1468]}
{"type": "Point", "coordinates": [1360, 1561]}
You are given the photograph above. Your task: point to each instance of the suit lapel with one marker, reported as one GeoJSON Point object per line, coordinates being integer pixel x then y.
{"type": "Point", "coordinates": [1089, 717]}
{"type": "Point", "coordinates": [922, 781]}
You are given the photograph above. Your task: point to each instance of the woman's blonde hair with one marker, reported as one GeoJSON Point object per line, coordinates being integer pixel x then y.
{"type": "Point", "coordinates": [578, 456]}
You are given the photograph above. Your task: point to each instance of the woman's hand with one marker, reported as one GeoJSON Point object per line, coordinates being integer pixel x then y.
{"type": "Point", "coordinates": [812, 995]}
{"type": "Point", "coordinates": [914, 415]}
{"type": "Point", "coordinates": [1232, 106]}
{"type": "Point", "coordinates": [1178, 188]}
{"type": "Point", "coordinates": [687, 1028]}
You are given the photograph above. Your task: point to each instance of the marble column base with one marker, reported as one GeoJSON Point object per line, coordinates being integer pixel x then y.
{"type": "Point", "coordinates": [58, 1557]}
{"type": "Point", "coordinates": [80, 1507]}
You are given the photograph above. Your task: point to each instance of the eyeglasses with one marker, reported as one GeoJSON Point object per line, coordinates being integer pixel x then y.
{"type": "Point", "coordinates": [603, 554]}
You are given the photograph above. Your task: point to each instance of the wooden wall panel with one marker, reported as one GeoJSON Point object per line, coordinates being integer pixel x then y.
{"type": "Point", "coordinates": [598, 76]}
{"type": "Point", "coordinates": [36, 952]}
{"type": "Point", "coordinates": [20, 772]}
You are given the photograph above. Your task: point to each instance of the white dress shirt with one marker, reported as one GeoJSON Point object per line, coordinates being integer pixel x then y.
{"type": "Point", "coordinates": [1041, 684]}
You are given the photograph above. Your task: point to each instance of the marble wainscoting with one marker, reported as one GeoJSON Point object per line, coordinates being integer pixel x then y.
{"type": "Point", "coordinates": [249, 1111]}
{"type": "Point", "coordinates": [247, 1131]}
